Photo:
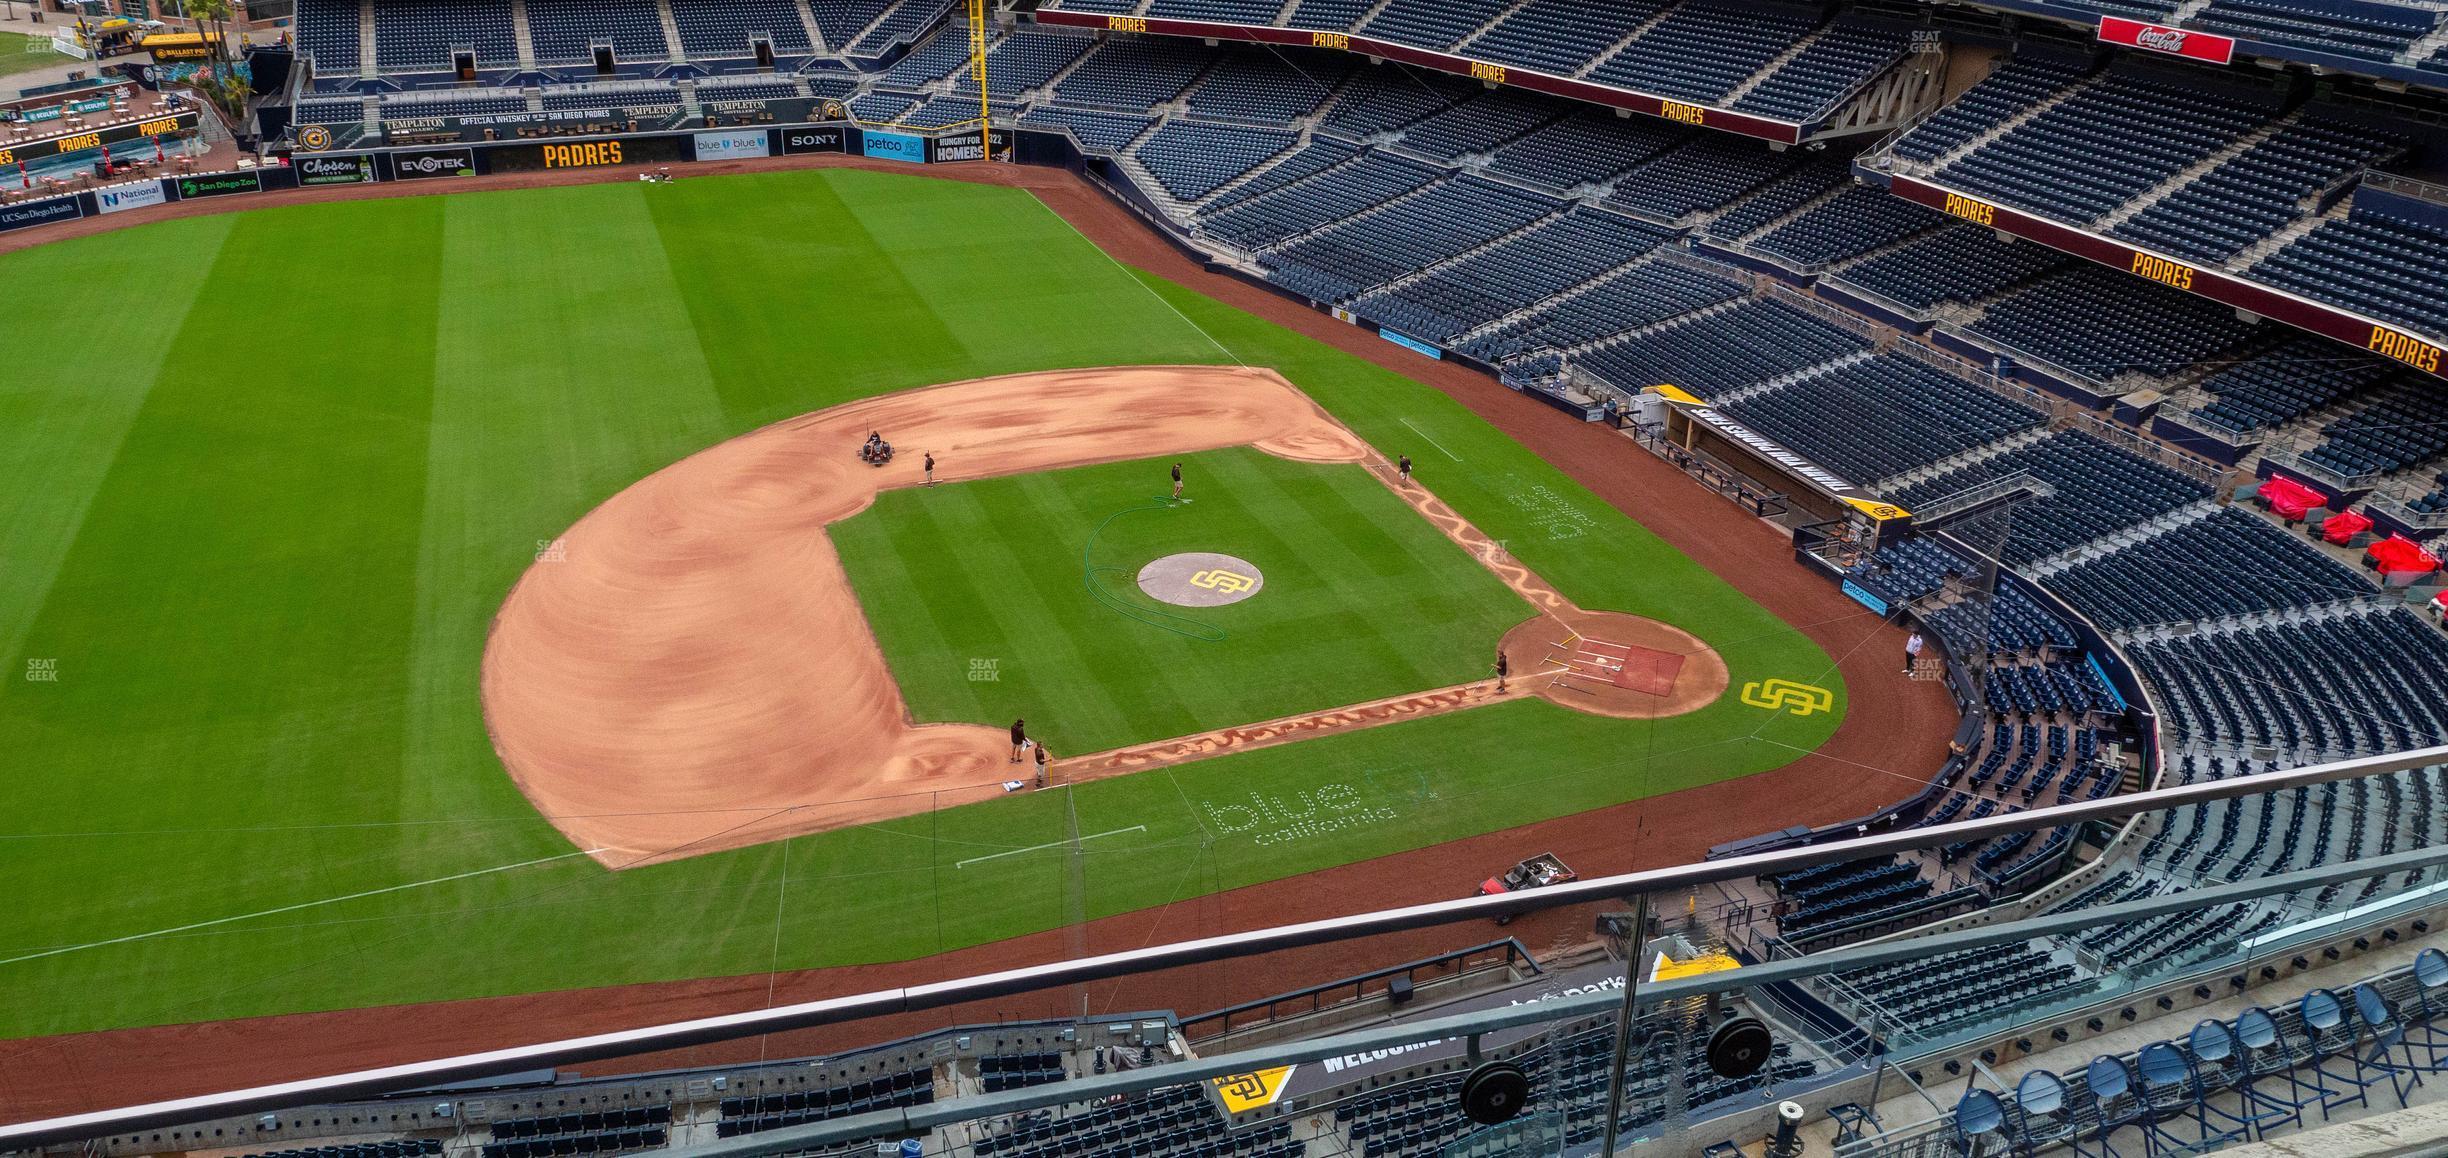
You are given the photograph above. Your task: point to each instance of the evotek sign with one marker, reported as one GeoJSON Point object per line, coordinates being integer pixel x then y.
{"type": "Point", "coordinates": [435, 163]}
{"type": "Point", "coordinates": [124, 197]}
{"type": "Point", "coordinates": [350, 170]}
{"type": "Point", "coordinates": [2170, 41]}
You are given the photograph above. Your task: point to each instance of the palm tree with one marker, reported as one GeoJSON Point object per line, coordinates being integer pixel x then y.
{"type": "Point", "coordinates": [219, 12]}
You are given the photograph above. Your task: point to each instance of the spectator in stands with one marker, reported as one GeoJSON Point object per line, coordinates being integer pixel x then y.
{"type": "Point", "coordinates": [1912, 652]}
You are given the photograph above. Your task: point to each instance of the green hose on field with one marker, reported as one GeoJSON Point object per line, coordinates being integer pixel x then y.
{"type": "Point", "coordinates": [1130, 608]}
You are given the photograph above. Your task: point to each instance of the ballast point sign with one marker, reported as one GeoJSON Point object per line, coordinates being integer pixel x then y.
{"type": "Point", "coordinates": [2163, 39]}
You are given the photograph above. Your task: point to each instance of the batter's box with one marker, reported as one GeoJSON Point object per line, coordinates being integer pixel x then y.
{"type": "Point", "coordinates": [1642, 669]}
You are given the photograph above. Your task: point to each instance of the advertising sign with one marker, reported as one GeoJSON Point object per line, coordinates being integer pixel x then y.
{"type": "Point", "coordinates": [29, 213]}
{"type": "Point", "coordinates": [2163, 39]}
{"type": "Point", "coordinates": [812, 140]}
{"type": "Point", "coordinates": [218, 185]}
{"type": "Point", "coordinates": [1863, 596]}
{"type": "Point", "coordinates": [893, 146]}
{"type": "Point", "coordinates": [963, 146]}
{"type": "Point", "coordinates": [734, 144]}
{"type": "Point", "coordinates": [1410, 343]}
{"type": "Point", "coordinates": [118, 198]}
{"type": "Point", "coordinates": [420, 165]}
{"type": "Point", "coordinates": [346, 169]}
{"type": "Point", "coordinates": [588, 154]}
{"type": "Point", "coordinates": [45, 113]}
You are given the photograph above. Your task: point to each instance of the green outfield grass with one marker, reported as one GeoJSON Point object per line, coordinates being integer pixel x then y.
{"type": "Point", "coordinates": [1363, 599]}
{"type": "Point", "coordinates": [256, 522]}
{"type": "Point", "coordinates": [20, 53]}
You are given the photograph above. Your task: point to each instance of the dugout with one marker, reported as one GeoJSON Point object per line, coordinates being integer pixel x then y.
{"type": "Point", "coordinates": [1813, 493]}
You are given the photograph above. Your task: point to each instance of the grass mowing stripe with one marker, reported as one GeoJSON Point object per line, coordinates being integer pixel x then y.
{"type": "Point", "coordinates": [65, 410]}
{"type": "Point", "coordinates": [527, 435]}
{"type": "Point", "coordinates": [264, 706]}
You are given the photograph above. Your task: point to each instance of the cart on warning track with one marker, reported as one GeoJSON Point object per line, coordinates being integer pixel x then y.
{"type": "Point", "coordinates": [1537, 872]}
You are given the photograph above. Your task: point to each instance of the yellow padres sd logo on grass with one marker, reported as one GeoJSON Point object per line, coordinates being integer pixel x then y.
{"type": "Point", "coordinates": [1221, 580]}
{"type": "Point", "coordinates": [1786, 695]}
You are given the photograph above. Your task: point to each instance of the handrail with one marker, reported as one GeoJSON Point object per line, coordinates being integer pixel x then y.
{"type": "Point", "coordinates": [1231, 946]}
{"type": "Point", "coordinates": [1603, 1001]}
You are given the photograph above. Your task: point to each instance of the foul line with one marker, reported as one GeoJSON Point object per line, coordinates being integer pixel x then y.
{"type": "Point", "coordinates": [293, 908]}
{"type": "Point", "coordinates": [1432, 442]}
{"type": "Point", "coordinates": [1017, 851]}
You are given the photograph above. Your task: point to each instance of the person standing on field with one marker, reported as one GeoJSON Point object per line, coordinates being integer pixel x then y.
{"type": "Point", "coordinates": [1501, 668]}
{"type": "Point", "coordinates": [1041, 765]}
{"type": "Point", "coordinates": [1019, 733]}
{"type": "Point", "coordinates": [1177, 482]}
{"type": "Point", "coordinates": [1402, 468]}
{"type": "Point", "coordinates": [1912, 653]}
{"type": "Point", "coordinates": [930, 468]}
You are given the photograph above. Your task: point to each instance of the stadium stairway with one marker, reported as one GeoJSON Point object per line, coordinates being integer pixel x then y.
{"type": "Point", "coordinates": [1638, 30]}
{"type": "Point", "coordinates": [367, 65]}
{"type": "Point", "coordinates": [2193, 172]}
{"type": "Point", "coordinates": [2023, 115]}
{"type": "Point", "coordinates": [1781, 381]}
{"type": "Point", "coordinates": [1955, 462]}
{"type": "Point", "coordinates": [2039, 569]}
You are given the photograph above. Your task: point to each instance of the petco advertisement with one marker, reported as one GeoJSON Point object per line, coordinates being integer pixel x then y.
{"type": "Point", "coordinates": [893, 146]}
{"type": "Point", "coordinates": [120, 197]}
{"type": "Point", "coordinates": [733, 145]}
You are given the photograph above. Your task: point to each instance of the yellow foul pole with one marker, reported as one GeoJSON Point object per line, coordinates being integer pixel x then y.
{"type": "Point", "coordinates": [977, 65]}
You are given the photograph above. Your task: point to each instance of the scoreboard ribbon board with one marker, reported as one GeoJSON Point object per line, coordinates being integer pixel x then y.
{"type": "Point", "coordinates": [162, 126]}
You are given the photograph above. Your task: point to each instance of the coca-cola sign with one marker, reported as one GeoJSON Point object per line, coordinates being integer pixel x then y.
{"type": "Point", "coordinates": [2170, 41]}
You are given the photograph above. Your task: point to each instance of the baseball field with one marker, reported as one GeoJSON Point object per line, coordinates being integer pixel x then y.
{"type": "Point", "coordinates": [274, 482]}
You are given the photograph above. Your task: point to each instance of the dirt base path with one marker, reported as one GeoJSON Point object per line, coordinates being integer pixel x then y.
{"type": "Point", "coordinates": [1894, 733]}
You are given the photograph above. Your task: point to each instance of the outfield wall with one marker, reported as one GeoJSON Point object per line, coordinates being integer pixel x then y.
{"type": "Point", "coordinates": [442, 162]}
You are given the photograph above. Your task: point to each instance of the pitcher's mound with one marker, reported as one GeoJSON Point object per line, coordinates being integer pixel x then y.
{"type": "Point", "coordinates": [1200, 579]}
